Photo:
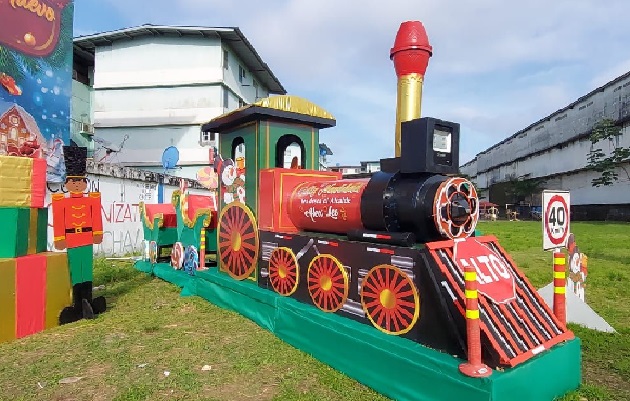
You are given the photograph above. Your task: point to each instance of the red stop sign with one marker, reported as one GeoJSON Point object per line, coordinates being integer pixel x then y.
{"type": "Point", "coordinates": [494, 275]}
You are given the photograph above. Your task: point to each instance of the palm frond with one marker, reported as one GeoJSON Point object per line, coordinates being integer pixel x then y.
{"type": "Point", "coordinates": [11, 63]}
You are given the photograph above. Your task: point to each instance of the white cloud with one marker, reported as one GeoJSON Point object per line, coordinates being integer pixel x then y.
{"type": "Point", "coordinates": [497, 66]}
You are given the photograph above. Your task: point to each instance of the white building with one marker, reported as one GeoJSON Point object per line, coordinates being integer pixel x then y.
{"type": "Point", "coordinates": [555, 149]}
{"type": "Point", "coordinates": [368, 167]}
{"type": "Point", "coordinates": [371, 166]}
{"type": "Point", "coordinates": [153, 86]}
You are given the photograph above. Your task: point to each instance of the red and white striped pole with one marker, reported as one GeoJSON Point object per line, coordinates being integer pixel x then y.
{"type": "Point", "coordinates": [474, 367]}
{"type": "Point", "coordinates": [559, 286]}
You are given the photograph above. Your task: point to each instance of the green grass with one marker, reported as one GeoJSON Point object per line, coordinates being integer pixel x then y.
{"type": "Point", "coordinates": [149, 323]}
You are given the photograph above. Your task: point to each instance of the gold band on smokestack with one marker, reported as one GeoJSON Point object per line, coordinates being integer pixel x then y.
{"type": "Point", "coordinates": [410, 54]}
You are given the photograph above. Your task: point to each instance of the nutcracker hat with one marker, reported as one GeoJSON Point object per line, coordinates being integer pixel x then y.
{"type": "Point", "coordinates": [75, 158]}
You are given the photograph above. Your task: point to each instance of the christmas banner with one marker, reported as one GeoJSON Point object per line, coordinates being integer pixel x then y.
{"type": "Point", "coordinates": [36, 80]}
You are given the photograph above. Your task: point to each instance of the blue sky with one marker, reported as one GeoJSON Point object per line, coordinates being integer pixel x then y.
{"type": "Point", "coordinates": [497, 66]}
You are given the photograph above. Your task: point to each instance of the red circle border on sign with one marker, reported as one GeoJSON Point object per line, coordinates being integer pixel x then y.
{"type": "Point", "coordinates": [556, 198]}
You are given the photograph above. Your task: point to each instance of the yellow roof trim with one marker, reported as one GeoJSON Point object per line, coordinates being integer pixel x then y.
{"type": "Point", "coordinates": [294, 104]}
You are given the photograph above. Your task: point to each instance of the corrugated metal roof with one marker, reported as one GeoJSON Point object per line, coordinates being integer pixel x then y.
{"type": "Point", "coordinates": [232, 36]}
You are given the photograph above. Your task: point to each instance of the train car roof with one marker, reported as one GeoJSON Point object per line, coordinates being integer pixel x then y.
{"type": "Point", "coordinates": [288, 108]}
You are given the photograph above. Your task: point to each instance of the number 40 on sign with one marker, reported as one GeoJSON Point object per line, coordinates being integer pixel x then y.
{"type": "Point", "coordinates": [556, 219]}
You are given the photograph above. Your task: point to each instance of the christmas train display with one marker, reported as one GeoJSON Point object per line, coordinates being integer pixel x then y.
{"type": "Point", "coordinates": [395, 250]}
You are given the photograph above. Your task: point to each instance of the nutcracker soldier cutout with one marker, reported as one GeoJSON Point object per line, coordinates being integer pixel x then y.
{"type": "Point", "coordinates": [77, 226]}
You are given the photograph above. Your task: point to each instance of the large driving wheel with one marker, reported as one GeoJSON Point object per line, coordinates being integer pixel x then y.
{"type": "Point", "coordinates": [284, 272]}
{"type": "Point", "coordinates": [390, 299]}
{"type": "Point", "coordinates": [327, 283]}
{"type": "Point", "coordinates": [238, 240]}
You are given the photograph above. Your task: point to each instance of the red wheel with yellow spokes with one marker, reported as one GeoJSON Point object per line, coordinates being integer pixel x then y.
{"type": "Point", "coordinates": [327, 283]}
{"type": "Point", "coordinates": [238, 240]}
{"type": "Point", "coordinates": [284, 272]}
{"type": "Point", "coordinates": [390, 299]}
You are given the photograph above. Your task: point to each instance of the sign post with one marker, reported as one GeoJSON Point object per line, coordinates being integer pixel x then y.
{"type": "Point", "coordinates": [556, 221]}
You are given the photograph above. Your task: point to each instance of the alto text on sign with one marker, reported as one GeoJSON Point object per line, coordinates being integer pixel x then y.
{"type": "Point", "coordinates": [494, 276]}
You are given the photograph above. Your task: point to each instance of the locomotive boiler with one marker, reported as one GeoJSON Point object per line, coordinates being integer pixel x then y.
{"type": "Point", "coordinates": [398, 205]}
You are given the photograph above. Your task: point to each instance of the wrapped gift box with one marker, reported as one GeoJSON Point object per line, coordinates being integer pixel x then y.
{"type": "Point", "coordinates": [22, 181]}
{"type": "Point", "coordinates": [34, 289]}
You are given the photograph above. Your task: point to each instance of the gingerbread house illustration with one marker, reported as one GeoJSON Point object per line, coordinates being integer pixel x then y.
{"type": "Point", "coordinates": [19, 133]}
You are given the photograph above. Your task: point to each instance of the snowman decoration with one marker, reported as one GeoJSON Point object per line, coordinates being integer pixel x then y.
{"type": "Point", "coordinates": [578, 269]}
{"type": "Point", "coordinates": [233, 183]}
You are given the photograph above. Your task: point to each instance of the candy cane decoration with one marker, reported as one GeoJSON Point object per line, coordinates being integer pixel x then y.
{"type": "Point", "coordinates": [240, 192]}
{"type": "Point", "coordinates": [177, 256]}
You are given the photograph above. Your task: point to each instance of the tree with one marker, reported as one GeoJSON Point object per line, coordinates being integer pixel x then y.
{"type": "Point", "coordinates": [519, 189]}
{"type": "Point", "coordinates": [607, 163]}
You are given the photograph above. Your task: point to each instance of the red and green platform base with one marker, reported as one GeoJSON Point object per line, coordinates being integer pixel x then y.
{"type": "Point", "coordinates": [393, 366]}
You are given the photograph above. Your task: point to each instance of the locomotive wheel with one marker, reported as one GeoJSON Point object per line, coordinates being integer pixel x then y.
{"type": "Point", "coordinates": [390, 299]}
{"type": "Point", "coordinates": [327, 283]}
{"type": "Point", "coordinates": [452, 191]}
{"type": "Point", "coordinates": [238, 240]}
{"type": "Point", "coordinates": [284, 272]}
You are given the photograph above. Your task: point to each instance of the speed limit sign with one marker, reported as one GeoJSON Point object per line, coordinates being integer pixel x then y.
{"type": "Point", "coordinates": [556, 218]}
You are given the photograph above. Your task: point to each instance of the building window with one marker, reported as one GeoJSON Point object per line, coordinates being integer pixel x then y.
{"type": "Point", "coordinates": [241, 73]}
{"type": "Point", "coordinates": [226, 98]}
{"type": "Point", "coordinates": [241, 103]}
{"type": "Point", "coordinates": [226, 59]}
{"type": "Point", "coordinates": [13, 133]}
{"type": "Point", "coordinates": [207, 138]}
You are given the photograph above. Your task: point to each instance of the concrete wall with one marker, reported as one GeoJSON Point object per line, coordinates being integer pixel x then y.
{"type": "Point", "coordinates": [145, 145]}
{"type": "Point", "coordinates": [81, 104]}
{"type": "Point", "coordinates": [246, 90]}
{"type": "Point", "coordinates": [120, 196]}
{"type": "Point", "coordinates": [159, 60]}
